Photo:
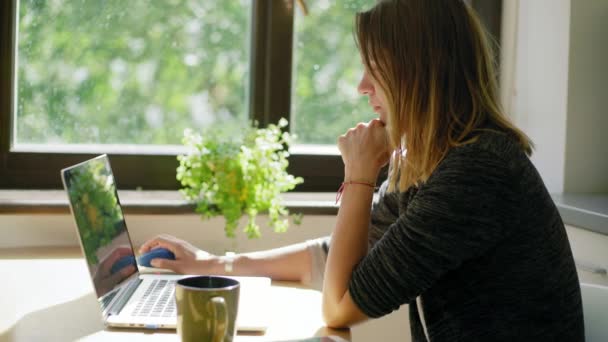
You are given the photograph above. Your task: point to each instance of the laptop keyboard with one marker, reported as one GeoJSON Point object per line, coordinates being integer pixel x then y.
{"type": "Point", "coordinates": [157, 301]}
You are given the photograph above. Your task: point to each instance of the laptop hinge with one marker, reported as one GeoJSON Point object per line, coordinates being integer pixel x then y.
{"type": "Point", "coordinates": [124, 297]}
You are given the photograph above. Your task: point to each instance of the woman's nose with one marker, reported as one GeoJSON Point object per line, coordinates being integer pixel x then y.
{"type": "Point", "coordinates": [365, 86]}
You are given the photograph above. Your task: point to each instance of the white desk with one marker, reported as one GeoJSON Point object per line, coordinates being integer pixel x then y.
{"type": "Point", "coordinates": [46, 295]}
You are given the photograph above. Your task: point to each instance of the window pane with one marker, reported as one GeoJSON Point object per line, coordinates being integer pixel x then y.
{"type": "Point", "coordinates": [133, 72]}
{"type": "Point", "coordinates": [327, 70]}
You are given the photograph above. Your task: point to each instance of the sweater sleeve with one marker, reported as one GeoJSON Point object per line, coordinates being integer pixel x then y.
{"type": "Point", "coordinates": [455, 216]}
{"type": "Point", "coordinates": [318, 249]}
{"type": "Point", "coordinates": [384, 212]}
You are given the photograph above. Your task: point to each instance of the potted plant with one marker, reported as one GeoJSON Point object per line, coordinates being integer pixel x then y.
{"type": "Point", "coordinates": [236, 176]}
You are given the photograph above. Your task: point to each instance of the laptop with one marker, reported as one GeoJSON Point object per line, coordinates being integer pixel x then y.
{"type": "Point", "coordinates": [128, 298]}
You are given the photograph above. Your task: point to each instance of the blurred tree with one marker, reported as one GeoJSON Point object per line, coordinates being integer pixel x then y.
{"type": "Point", "coordinates": [130, 71]}
{"type": "Point", "coordinates": [141, 71]}
{"type": "Point", "coordinates": [326, 72]}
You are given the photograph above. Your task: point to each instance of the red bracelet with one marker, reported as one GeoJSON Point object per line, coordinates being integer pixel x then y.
{"type": "Point", "coordinates": [344, 184]}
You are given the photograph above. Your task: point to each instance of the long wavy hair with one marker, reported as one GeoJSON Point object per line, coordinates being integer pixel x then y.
{"type": "Point", "coordinates": [434, 61]}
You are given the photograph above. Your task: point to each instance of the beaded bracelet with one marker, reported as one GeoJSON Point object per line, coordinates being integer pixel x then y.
{"type": "Point", "coordinates": [344, 184]}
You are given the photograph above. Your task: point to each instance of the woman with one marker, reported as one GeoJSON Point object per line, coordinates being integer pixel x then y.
{"type": "Point", "coordinates": [465, 230]}
{"type": "Point", "coordinates": [478, 244]}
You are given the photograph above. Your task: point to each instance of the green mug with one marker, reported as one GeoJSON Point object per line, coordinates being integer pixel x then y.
{"type": "Point", "coordinates": [206, 308]}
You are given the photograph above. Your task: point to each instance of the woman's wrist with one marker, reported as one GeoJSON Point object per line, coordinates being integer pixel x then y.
{"type": "Point", "coordinates": [360, 177]}
{"type": "Point", "coordinates": [213, 264]}
{"type": "Point", "coordinates": [364, 185]}
{"type": "Point", "coordinates": [228, 261]}
{"type": "Point", "coordinates": [360, 180]}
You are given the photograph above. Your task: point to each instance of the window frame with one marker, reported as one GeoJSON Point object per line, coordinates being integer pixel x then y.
{"type": "Point", "coordinates": [269, 98]}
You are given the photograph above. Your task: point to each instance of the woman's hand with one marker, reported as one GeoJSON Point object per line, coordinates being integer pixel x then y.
{"type": "Point", "coordinates": [364, 150]}
{"type": "Point", "coordinates": [188, 258]}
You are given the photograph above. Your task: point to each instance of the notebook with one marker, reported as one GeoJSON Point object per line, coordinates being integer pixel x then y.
{"type": "Point", "coordinates": [128, 298]}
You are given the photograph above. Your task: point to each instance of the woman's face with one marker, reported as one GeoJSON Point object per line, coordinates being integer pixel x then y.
{"type": "Point", "coordinates": [376, 98]}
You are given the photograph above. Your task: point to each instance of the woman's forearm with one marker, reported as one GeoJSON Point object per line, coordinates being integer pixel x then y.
{"type": "Point", "coordinates": [348, 247]}
{"type": "Point", "coordinates": [290, 263]}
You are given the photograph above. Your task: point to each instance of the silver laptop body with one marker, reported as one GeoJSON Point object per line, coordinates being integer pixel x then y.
{"type": "Point", "coordinates": [128, 298]}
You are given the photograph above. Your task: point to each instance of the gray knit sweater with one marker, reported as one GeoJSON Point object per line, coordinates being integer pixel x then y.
{"type": "Point", "coordinates": [481, 245]}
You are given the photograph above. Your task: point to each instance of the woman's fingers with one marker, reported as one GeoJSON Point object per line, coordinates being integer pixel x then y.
{"type": "Point", "coordinates": [364, 150]}
{"type": "Point", "coordinates": [159, 241]}
{"type": "Point", "coordinates": [173, 265]}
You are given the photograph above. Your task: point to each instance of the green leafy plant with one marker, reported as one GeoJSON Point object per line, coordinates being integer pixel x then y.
{"type": "Point", "coordinates": [236, 176]}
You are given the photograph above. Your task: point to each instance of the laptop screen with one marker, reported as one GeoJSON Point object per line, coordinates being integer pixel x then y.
{"type": "Point", "coordinates": [101, 226]}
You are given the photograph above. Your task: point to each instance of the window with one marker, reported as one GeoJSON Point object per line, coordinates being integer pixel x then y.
{"type": "Point", "coordinates": [325, 102]}
{"type": "Point", "coordinates": [83, 77]}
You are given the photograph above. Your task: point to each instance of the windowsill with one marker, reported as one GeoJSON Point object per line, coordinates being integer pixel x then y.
{"type": "Point", "coordinates": [149, 202]}
{"type": "Point", "coordinates": [588, 211]}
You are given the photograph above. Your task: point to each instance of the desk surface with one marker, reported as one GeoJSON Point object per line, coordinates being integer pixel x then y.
{"type": "Point", "coordinates": [47, 295]}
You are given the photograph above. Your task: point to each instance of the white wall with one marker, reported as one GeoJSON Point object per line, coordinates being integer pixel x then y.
{"type": "Point", "coordinates": [538, 95]}
{"type": "Point", "coordinates": [392, 327]}
{"type": "Point", "coordinates": [557, 52]}
{"type": "Point", "coordinates": [587, 133]}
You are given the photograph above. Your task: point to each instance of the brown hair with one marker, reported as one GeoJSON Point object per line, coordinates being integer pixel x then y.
{"type": "Point", "coordinates": [434, 62]}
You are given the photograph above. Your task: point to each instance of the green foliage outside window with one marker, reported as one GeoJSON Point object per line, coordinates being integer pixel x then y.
{"type": "Point", "coordinates": [327, 69]}
{"type": "Point", "coordinates": [142, 71]}
{"type": "Point", "coordinates": [136, 72]}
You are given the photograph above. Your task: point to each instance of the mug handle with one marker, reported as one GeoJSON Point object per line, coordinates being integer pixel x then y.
{"type": "Point", "coordinates": [220, 319]}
